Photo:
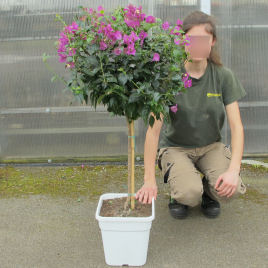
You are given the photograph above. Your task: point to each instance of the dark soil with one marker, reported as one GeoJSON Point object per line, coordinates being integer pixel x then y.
{"type": "Point", "coordinates": [115, 208]}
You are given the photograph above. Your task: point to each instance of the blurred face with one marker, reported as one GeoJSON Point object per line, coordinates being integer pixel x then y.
{"type": "Point", "coordinates": [200, 43]}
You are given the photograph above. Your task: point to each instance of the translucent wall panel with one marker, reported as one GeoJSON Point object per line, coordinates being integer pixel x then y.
{"type": "Point", "coordinates": [37, 119]}
{"type": "Point", "coordinates": [243, 39]}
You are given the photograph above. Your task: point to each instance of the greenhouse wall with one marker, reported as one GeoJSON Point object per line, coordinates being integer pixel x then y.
{"type": "Point", "coordinates": [38, 119]}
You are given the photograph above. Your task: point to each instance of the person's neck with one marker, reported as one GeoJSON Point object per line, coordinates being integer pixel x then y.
{"type": "Point", "coordinates": [196, 68]}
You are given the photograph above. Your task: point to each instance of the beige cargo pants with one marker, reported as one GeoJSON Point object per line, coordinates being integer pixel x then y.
{"type": "Point", "coordinates": [184, 168]}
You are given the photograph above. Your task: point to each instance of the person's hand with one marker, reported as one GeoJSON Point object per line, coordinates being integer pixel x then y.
{"type": "Point", "coordinates": [229, 182]}
{"type": "Point", "coordinates": [147, 192]}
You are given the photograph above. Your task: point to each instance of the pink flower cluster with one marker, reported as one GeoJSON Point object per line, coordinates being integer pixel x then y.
{"type": "Point", "coordinates": [134, 16]}
{"type": "Point", "coordinates": [108, 37]}
{"type": "Point", "coordinates": [126, 44]}
{"type": "Point", "coordinates": [63, 50]}
{"type": "Point", "coordinates": [174, 108]}
{"type": "Point", "coordinates": [187, 82]}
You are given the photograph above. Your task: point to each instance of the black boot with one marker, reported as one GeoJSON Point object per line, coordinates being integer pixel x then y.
{"type": "Point", "coordinates": [177, 210]}
{"type": "Point", "coordinates": [209, 206]}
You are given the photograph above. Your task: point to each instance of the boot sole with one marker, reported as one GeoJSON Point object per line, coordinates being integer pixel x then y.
{"type": "Point", "coordinates": [177, 216]}
{"type": "Point", "coordinates": [209, 215]}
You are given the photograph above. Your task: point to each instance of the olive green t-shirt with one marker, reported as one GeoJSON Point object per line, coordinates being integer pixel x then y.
{"type": "Point", "coordinates": [201, 109]}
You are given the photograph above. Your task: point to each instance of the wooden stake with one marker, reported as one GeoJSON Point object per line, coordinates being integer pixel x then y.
{"type": "Point", "coordinates": [132, 165]}
{"type": "Point", "coordinates": [129, 166]}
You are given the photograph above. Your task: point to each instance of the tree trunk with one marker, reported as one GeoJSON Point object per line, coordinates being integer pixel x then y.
{"type": "Point", "coordinates": [131, 165]}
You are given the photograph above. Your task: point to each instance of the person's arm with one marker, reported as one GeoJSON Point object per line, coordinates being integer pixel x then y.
{"type": "Point", "coordinates": [231, 177]}
{"type": "Point", "coordinates": [149, 189]}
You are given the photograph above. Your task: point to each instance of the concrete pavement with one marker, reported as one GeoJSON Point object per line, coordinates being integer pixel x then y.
{"type": "Point", "coordinates": [45, 232]}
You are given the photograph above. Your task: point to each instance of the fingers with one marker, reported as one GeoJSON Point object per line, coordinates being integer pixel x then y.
{"type": "Point", "coordinates": [146, 195]}
{"type": "Point", "coordinates": [150, 197]}
{"type": "Point", "coordinates": [225, 191]}
{"type": "Point", "coordinates": [155, 194]}
{"type": "Point", "coordinates": [218, 182]}
{"type": "Point", "coordinates": [231, 193]}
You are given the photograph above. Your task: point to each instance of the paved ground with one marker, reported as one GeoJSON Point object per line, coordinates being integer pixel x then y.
{"type": "Point", "coordinates": [43, 232]}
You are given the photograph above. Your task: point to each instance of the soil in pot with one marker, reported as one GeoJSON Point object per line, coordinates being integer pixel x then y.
{"type": "Point", "coordinates": [115, 208]}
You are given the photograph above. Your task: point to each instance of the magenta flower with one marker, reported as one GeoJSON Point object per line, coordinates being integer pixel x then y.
{"type": "Point", "coordinates": [133, 36]}
{"type": "Point", "coordinates": [175, 31]}
{"type": "Point", "coordinates": [130, 50]}
{"type": "Point", "coordinates": [174, 108]}
{"type": "Point", "coordinates": [179, 22]}
{"type": "Point", "coordinates": [182, 42]}
{"type": "Point", "coordinates": [185, 77]}
{"type": "Point", "coordinates": [113, 18]}
{"type": "Point", "coordinates": [71, 51]}
{"type": "Point", "coordinates": [150, 19]}
{"type": "Point", "coordinates": [62, 58]}
{"type": "Point", "coordinates": [129, 39]}
{"type": "Point", "coordinates": [72, 28]}
{"type": "Point", "coordinates": [156, 57]}
{"type": "Point", "coordinates": [142, 36]}
{"type": "Point", "coordinates": [165, 25]}
{"type": "Point", "coordinates": [117, 51]}
{"type": "Point", "coordinates": [188, 83]}
{"type": "Point", "coordinates": [70, 65]}
{"type": "Point", "coordinates": [187, 38]}
{"type": "Point", "coordinates": [132, 23]}
{"type": "Point", "coordinates": [100, 8]}
{"type": "Point", "coordinates": [61, 48]}
{"type": "Point", "coordinates": [64, 39]}
{"type": "Point", "coordinates": [133, 16]}
{"type": "Point", "coordinates": [103, 45]}
{"type": "Point", "coordinates": [118, 35]}
{"type": "Point", "coordinates": [177, 41]}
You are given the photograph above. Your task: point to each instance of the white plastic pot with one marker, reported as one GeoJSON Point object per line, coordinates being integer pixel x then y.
{"type": "Point", "coordinates": [125, 239]}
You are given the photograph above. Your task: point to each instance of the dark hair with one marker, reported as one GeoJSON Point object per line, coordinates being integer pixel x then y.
{"type": "Point", "coordinates": [198, 17]}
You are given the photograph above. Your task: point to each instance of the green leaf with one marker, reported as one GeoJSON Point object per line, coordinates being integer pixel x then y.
{"type": "Point", "coordinates": [69, 59]}
{"type": "Point", "coordinates": [122, 78]}
{"type": "Point", "coordinates": [92, 60]}
{"type": "Point", "coordinates": [93, 72]}
{"type": "Point", "coordinates": [92, 48]}
{"type": "Point", "coordinates": [151, 121]}
{"type": "Point", "coordinates": [45, 57]}
{"type": "Point", "coordinates": [177, 53]}
{"type": "Point", "coordinates": [111, 79]}
{"type": "Point", "coordinates": [156, 96]}
{"type": "Point", "coordinates": [155, 84]}
{"type": "Point", "coordinates": [176, 77]}
{"type": "Point", "coordinates": [100, 98]}
{"type": "Point", "coordinates": [54, 78]}
{"type": "Point", "coordinates": [134, 97]}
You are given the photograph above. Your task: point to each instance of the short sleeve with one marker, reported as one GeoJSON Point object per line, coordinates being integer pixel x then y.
{"type": "Point", "coordinates": [232, 89]}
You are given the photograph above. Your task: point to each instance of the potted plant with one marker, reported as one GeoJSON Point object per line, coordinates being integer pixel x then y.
{"type": "Point", "coordinates": [131, 63]}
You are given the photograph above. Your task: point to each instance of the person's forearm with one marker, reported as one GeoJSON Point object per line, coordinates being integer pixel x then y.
{"type": "Point", "coordinates": [237, 143]}
{"type": "Point", "coordinates": [150, 149]}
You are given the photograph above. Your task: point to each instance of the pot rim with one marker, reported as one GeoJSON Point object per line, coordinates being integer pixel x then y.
{"type": "Point", "coordinates": [126, 219]}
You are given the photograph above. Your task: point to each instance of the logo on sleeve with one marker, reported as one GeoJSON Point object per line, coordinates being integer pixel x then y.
{"type": "Point", "coordinates": [213, 95]}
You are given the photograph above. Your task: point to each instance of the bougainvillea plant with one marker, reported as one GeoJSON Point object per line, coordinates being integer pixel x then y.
{"type": "Point", "coordinates": [128, 61]}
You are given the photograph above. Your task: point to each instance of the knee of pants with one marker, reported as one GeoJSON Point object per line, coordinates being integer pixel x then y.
{"type": "Point", "coordinates": [191, 196]}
